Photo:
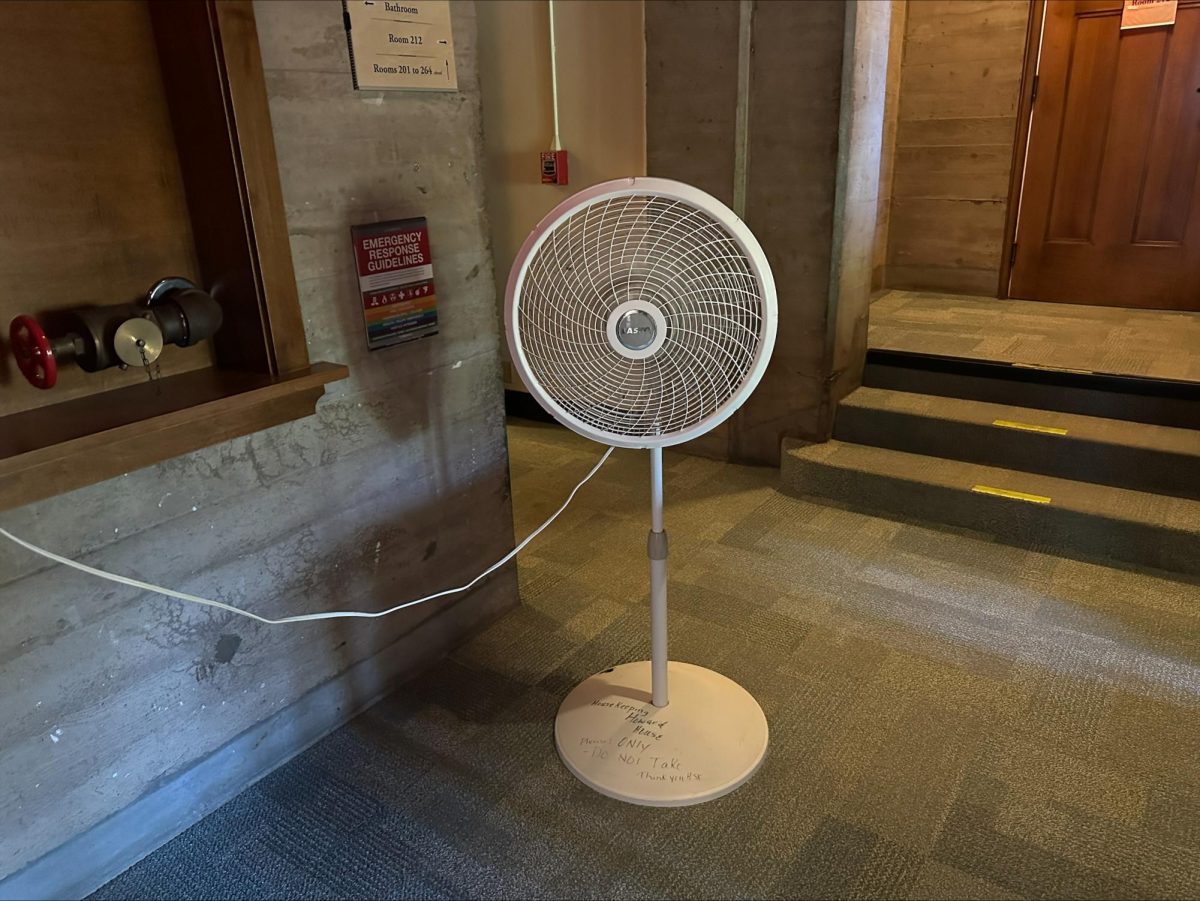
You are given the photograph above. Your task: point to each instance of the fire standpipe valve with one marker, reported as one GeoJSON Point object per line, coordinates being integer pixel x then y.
{"type": "Point", "coordinates": [174, 311]}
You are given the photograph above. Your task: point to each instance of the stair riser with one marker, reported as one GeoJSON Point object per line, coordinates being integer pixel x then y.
{"type": "Point", "coordinates": [1170, 411]}
{"type": "Point", "coordinates": [1140, 469]}
{"type": "Point", "coordinates": [1042, 527]}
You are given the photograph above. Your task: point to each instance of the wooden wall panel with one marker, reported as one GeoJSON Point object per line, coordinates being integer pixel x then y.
{"type": "Point", "coordinates": [950, 172]}
{"type": "Point", "coordinates": [959, 84]}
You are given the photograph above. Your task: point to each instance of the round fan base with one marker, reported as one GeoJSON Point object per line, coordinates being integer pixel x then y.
{"type": "Point", "coordinates": [707, 741]}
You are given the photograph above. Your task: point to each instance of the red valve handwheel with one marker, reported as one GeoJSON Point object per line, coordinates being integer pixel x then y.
{"type": "Point", "coordinates": [31, 347]}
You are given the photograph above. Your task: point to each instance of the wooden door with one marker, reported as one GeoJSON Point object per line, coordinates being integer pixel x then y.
{"type": "Point", "coordinates": [1110, 204]}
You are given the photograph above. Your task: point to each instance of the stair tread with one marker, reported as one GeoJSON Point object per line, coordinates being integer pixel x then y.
{"type": "Point", "coordinates": [1080, 427]}
{"type": "Point", "coordinates": [1162, 511]}
{"type": "Point", "coordinates": [1132, 398]}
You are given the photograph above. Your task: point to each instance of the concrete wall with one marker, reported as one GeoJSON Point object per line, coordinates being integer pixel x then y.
{"type": "Point", "coordinates": [959, 86]}
{"type": "Point", "coordinates": [811, 190]}
{"type": "Point", "coordinates": [691, 111]}
{"type": "Point", "coordinates": [397, 487]}
{"type": "Point", "coordinates": [601, 89]}
{"type": "Point", "coordinates": [692, 92]}
{"type": "Point", "coordinates": [857, 211]}
{"type": "Point", "coordinates": [795, 113]}
{"type": "Point", "coordinates": [898, 14]}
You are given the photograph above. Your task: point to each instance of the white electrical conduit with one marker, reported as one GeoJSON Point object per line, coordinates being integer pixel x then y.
{"type": "Point", "coordinates": [554, 75]}
{"type": "Point", "coordinates": [305, 617]}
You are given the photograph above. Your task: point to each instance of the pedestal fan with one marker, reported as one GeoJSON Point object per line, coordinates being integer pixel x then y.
{"type": "Point", "coordinates": [641, 313]}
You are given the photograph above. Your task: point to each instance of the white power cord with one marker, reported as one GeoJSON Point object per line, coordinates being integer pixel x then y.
{"type": "Point", "coordinates": [305, 617]}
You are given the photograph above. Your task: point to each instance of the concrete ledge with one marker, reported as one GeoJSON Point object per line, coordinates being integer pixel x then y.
{"type": "Point", "coordinates": [80, 866]}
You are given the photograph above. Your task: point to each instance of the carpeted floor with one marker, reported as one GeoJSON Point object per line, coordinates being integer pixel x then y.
{"type": "Point", "coordinates": [1154, 343]}
{"type": "Point", "coordinates": [951, 718]}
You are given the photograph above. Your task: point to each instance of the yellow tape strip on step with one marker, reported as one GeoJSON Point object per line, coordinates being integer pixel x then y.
{"type": "Point", "coordinates": [1014, 495]}
{"type": "Point", "coordinates": [1029, 427]}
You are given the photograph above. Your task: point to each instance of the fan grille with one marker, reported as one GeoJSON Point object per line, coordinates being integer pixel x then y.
{"type": "Point", "coordinates": [655, 250]}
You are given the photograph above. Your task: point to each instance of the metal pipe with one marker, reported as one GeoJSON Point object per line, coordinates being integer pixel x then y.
{"type": "Point", "coordinates": [657, 547]}
{"type": "Point", "coordinates": [656, 489]}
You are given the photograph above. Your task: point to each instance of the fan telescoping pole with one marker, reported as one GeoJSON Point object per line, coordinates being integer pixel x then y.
{"type": "Point", "coordinates": [656, 546]}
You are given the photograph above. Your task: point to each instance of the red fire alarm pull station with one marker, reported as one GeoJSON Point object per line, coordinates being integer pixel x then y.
{"type": "Point", "coordinates": [554, 167]}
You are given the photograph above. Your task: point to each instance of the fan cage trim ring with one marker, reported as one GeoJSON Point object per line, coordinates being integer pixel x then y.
{"type": "Point", "coordinates": [734, 228]}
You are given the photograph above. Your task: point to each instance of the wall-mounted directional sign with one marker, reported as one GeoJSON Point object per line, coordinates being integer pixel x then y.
{"type": "Point", "coordinates": [1148, 13]}
{"type": "Point", "coordinates": [401, 45]}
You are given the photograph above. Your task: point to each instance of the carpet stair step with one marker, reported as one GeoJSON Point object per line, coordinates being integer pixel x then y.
{"type": "Point", "coordinates": [1136, 399]}
{"type": "Point", "coordinates": [1042, 512]}
{"type": "Point", "coordinates": [1115, 452]}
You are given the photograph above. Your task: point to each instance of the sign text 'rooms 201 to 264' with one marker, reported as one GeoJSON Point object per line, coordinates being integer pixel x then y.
{"type": "Point", "coordinates": [398, 46]}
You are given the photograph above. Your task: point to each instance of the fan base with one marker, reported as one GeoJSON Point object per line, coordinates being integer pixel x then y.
{"type": "Point", "coordinates": [706, 742]}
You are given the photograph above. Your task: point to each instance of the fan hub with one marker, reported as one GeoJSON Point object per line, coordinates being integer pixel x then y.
{"type": "Point", "coordinates": [636, 329]}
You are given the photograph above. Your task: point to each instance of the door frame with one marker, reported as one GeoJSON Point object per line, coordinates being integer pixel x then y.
{"type": "Point", "coordinates": [1016, 178]}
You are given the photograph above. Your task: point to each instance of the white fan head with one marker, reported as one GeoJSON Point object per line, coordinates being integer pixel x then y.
{"type": "Point", "coordinates": [640, 312]}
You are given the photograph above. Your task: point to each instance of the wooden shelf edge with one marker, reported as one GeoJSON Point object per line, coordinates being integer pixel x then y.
{"type": "Point", "coordinates": [195, 410]}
